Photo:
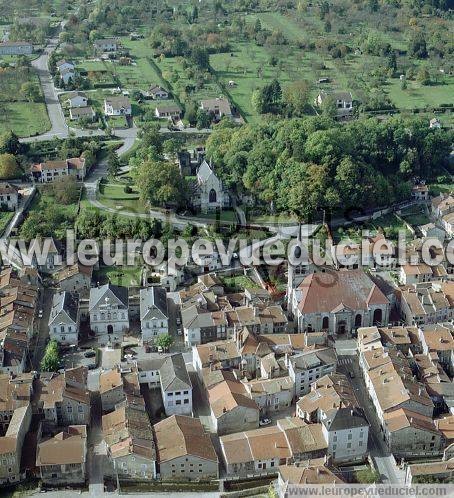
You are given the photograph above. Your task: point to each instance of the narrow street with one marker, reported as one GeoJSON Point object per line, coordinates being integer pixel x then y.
{"type": "Point", "coordinates": [42, 328]}
{"type": "Point", "coordinates": [383, 459]}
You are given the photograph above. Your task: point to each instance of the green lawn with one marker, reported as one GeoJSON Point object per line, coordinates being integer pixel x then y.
{"type": "Point", "coordinates": [418, 96]}
{"type": "Point", "coordinates": [237, 283]}
{"type": "Point", "coordinates": [113, 195]}
{"type": "Point", "coordinates": [24, 118]}
{"type": "Point", "coordinates": [121, 275]}
{"type": "Point", "coordinates": [415, 216]}
{"type": "Point", "coordinates": [5, 218]}
{"type": "Point", "coordinates": [225, 215]}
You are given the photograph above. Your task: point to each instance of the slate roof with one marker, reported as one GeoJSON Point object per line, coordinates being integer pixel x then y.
{"type": "Point", "coordinates": [340, 419]}
{"type": "Point", "coordinates": [153, 300]}
{"type": "Point", "coordinates": [65, 302]}
{"type": "Point", "coordinates": [174, 375]}
{"type": "Point", "coordinates": [97, 293]}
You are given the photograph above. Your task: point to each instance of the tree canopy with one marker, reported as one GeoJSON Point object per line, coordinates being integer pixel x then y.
{"type": "Point", "coordinates": [304, 165]}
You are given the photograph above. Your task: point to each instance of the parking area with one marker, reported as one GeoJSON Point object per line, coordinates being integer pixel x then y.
{"type": "Point", "coordinates": [78, 358]}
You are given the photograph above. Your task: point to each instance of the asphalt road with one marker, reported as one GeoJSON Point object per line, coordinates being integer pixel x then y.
{"type": "Point", "coordinates": [54, 110]}
{"type": "Point", "coordinates": [383, 460]}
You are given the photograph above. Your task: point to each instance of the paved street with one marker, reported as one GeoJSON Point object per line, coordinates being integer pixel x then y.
{"type": "Point", "coordinates": [383, 459]}
{"type": "Point", "coordinates": [54, 110]}
{"type": "Point", "coordinates": [42, 327]}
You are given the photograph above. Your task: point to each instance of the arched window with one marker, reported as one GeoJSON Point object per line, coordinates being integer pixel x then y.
{"type": "Point", "coordinates": [377, 316]}
{"type": "Point", "coordinates": [358, 320]}
{"type": "Point", "coordinates": [212, 196]}
{"type": "Point", "coordinates": [325, 323]}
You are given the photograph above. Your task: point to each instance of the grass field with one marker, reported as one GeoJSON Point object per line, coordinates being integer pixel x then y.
{"type": "Point", "coordinates": [24, 118]}
{"type": "Point", "coordinates": [124, 275]}
{"type": "Point", "coordinates": [350, 73]}
{"type": "Point", "coordinates": [415, 216]}
{"type": "Point", "coordinates": [113, 195]}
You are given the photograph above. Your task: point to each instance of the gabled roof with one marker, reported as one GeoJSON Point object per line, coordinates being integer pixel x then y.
{"type": "Point", "coordinates": [174, 375]}
{"type": "Point", "coordinates": [66, 302]}
{"type": "Point", "coordinates": [153, 303]}
{"type": "Point", "coordinates": [180, 436]}
{"type": "Point", "coordinates": [204, 172]}
{"type": "Point", "coordinates": [108, 291]}
{"type": "Point", "coordinates": [331, 292]}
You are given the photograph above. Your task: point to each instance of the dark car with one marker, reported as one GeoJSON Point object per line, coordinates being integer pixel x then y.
{"type": "Point", "coordinates": [92, 366]}
{"type": "Point", "coordinates": [89, 354]}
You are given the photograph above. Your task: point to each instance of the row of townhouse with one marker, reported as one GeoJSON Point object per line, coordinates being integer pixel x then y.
{"type": "Point", "coordinates": [426, 303]}
{"type": "Point", "coordinates": [51, 401]}
{"type": "Point", "coordinates": [18, 302]}
{"type": "Point", "coordinates": [443, 211]}
{"type": "Point", "coordinates": [402, 403]}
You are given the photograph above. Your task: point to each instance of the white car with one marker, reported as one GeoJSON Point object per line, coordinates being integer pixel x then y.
{"type": "Point", "coordinates": [40, 313]}
{"type": "Point", "coordinates": [179, 331]}
{"type": "Point", "coordinates": [264, 421]}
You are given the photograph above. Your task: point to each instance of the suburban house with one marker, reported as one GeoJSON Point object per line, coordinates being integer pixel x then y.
{"type": "Point", "coordinates": [16, 48]}
{"type": "Point", "coordinates": [64, 318]}
{"type": "Point", "coordinates": [209, 193]}
{"type": "Point", "coordinates": [49, 171]}
{"type": "Point", "coordinates": [9, 197]}
{"type": "Point", "coordinates": [75, 278]}
{"type": "Point", "coordinates": [346, 430]}
{"type": "Point", "coordinates": [63, 398]}
{"type": "Point", "coordinates": [118, 105]}
{"type": "Point", "coordinates": [218, 107]}
{"type": "Point", "coordinates": [176, 386]}
{"type": "Point", "coordinates": [261, 451]}
{"type": "Point", "coordinates": [67, 74]}
{"type": "Point", "coordinates": [11, 445]}
{"type": "Point", "coordinates": [184, 450]}
{"type": "Point", "coordinates": [154, 315]}
{"type": "Point", "coordinates": [168, 111]}
{"type": "Point", "coordinates": [343, 102]}
{"type": "Point", "coordinates": [108, 310]}
{"type": "Point", "coordinates": [231, 407]}
{"type": "Point", "coordinates": [65, 65]}
{"type": "Point", "coordinates": [130, 447]}
{"type": "Point", "coordinates": [77, 99]}
{"type": "Point", "coordinates": [308, 366]}
{"type": "Point", "coordinates": [61, 459]}
{"type": "Point", "coordinates": [157, 92]}
{"type": "Point", "coordinates": [106, 45]}
{"type": "Point", "coordinates": [339, 302]}
{"type": "Point", "coordinates": [76, 113]}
